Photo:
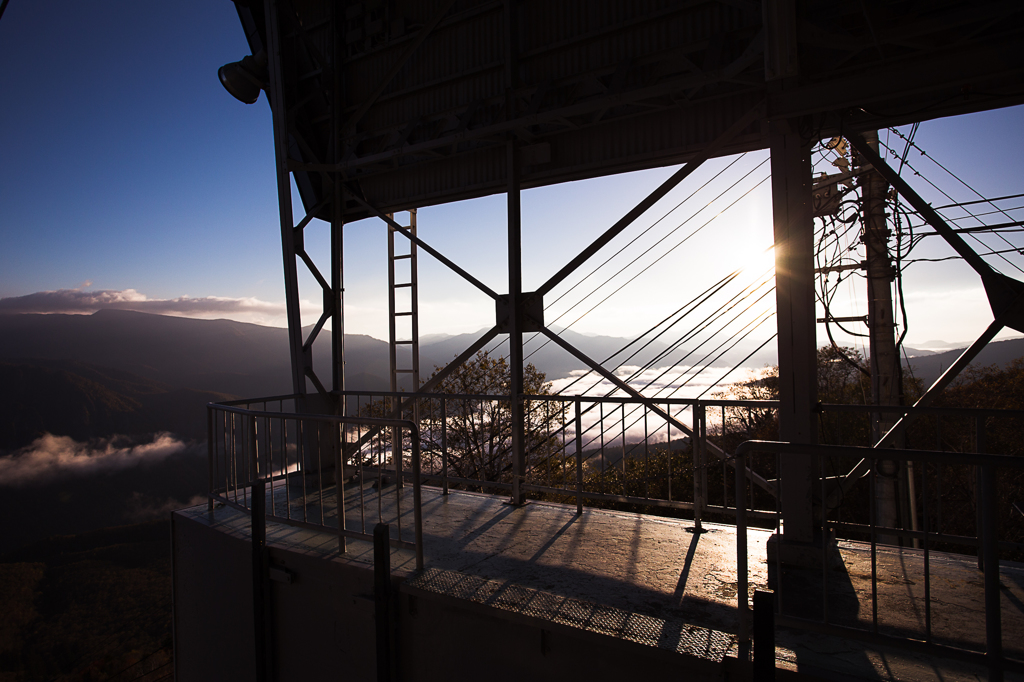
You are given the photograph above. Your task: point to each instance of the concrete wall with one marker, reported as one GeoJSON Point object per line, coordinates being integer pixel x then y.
{"type": "Point", "coordinates": [442, 638]}
{"type": "Point", "coordinates": [322, 621]}
{"type": "Point", "coordinates": [213, 620]}
{"type": "Point", "coordinates": [324, 626]}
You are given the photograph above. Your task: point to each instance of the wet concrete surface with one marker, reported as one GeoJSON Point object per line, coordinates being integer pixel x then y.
{"type": "Point", "coordinates": [659, 567]}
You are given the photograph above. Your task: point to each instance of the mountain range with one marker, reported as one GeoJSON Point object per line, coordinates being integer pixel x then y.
{"type": "Point", "coordinates": [132, 375]}
{"type": "Point", "coordinates": [240, 359]}
{"type": "Point", "coordinates": [929, 367]}
{"type": "Point", "coordinates": [127, 372]}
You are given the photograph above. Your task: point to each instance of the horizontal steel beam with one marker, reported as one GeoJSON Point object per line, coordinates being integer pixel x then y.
{"type": "Point", "coordinates": [428, 248]}
{"type": "Point", "coordinates": [652, 198]}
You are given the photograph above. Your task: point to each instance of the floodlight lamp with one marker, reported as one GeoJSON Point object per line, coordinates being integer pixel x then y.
{"type": "Point", "coordinates": [244, 79]}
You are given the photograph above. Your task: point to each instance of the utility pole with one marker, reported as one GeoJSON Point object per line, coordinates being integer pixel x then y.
{"type": "Point", "coordinates": [885, 370]}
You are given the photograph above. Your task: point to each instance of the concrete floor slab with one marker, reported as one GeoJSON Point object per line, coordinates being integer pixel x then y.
{"type": "Point", "coordinates": [659, 568]}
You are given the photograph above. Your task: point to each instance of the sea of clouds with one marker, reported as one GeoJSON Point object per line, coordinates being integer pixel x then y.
{"type": "Point", "coordinates": [50, 457]}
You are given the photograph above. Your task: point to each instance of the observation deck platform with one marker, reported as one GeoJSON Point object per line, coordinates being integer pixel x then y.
{"type": "Point", "coordinates": [645, 580]}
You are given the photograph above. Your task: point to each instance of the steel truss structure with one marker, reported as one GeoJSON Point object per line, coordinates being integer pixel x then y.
{"type": "Point", "coordinates": [381, 107]}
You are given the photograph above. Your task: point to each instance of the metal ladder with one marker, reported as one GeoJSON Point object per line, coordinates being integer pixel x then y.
{"type": "Point", "coordinates": [413, 313]}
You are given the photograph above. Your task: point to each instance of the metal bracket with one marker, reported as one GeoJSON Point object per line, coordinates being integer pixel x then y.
{"type": "Point", "coordinates": [531, 313]}
{"type": "Point", "coordinates": [281, 575]}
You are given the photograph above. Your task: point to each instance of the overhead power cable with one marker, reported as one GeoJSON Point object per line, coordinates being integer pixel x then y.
{"type": "Point", "coordinates": [690, 307]}
{"type": "Point", "coordinates": [910, 143]}
{"type": "Point", "coordinates": [716, 349]}
{"type": "Point", "coordinates": [704, 325]}
{"type": "Point", "coordinates": [946, 194]}
{"type": "Point", "coordinates": [983, 253]}
{"type": "Point", "coordinates": [980, 201]}
{"type": "Point", "coordinates": [654, 262]}
{"type": "Point", "coordinates": [707, 322]}
{"type": "Point", "coordinates": [655, 223]}
{"type": "Point", "coordinates": [722, 349]}
{"type": "Point", "coordinates": [655, 245]}
{"type": "Point", "coordinates": [637, 237]}
{"type": "Point", "coordinates": [739, 364]}
{"type": "Point", "coordinates": [680, 313]}
{"type": "Point", "coordinates": [718, 352]}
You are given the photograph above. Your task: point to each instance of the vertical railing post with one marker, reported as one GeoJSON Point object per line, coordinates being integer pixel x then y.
{"type": "Point", "coordinates": [396, 454]}
{"type": "Point", "coordinates": [979, 503]}
{"type": "Point", "coordinates": [764, 636]}
{"type": "Point", "coordinates": [261, 583]}
{"type": "Point", "coordinates": [232, 445]}
{"type": "Point", "coordinates": [337, 433]}
{"type": "Point", "coordinates": [741, 562]}
{"type": "Point", "coordinates": [382, 598]}
{"type": "Point", "coordinates": [444, 445]}
{"type": "Point", "coordinates": [254, 454]}
{"type": "Point", "coordinates": [698, 465]}
{"type": "Point", "coordinates": [417, 494]}
{"type": "Point", "coordinates": [579, 456]}
{"type": "Point", "coordinates": [990, 560]}
{"type": "Point", "coordinates": [209, 458]}
{"type": "Point", "coordinates": [668, 444]}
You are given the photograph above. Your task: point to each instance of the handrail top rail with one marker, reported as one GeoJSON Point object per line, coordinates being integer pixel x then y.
{"type": "Point", "coordinates": [267, 399]}
{"type": "Point", "coordinates": [911, 409]}
{"type": "Point", "coordinates": [564, 398]}
{"type": "Point", "coordinates": [372, 421]}
{"type": "Point", "coordinates": [527, 396]}
{"type": "Point", "coordinates": [820, 407]}
{"type": "Point", "coordinates": [787, 448]}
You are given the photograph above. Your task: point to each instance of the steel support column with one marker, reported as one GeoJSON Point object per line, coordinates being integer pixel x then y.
{"type": "Point", "coordinates": [337, 234]}
{"type": "Point", "coordinates": [515, 327]}
{"type": "Point", "coordinates": [515, 262]}
{"type": "Point", "coordinates": [793, 218]}
{"type": "Point", "coordinates": [279, 109]}
{"type": "Point", "coordinates": [338, 299]}
{"type": "Point", "coordinates": [794, 287]}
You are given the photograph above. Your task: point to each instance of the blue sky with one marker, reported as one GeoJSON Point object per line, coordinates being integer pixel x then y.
{"type": "Point", "coordinates": [127, 168]}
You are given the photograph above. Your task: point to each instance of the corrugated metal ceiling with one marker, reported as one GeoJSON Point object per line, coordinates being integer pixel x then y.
{"type": "Point", "coordinates": [427, 92]}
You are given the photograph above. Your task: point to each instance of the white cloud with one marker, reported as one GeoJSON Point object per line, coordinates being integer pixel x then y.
{"type": "Point", "coordinates": [77, 301]}
{"type": "Point", "coordinates": [50, 457]}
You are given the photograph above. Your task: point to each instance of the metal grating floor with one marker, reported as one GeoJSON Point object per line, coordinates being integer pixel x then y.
{"type": "Point", "coordinates": [644, 579]}
{"type": "Point", "coordinates": [683, 638]}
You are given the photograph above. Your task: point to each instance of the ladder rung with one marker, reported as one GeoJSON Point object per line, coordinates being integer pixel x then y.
{"type": "Point", "coordinates": [403, 286]}
{"type": "Point", "coordinates": [402, 314]}
{"type": "Point", "coordinates": [402, 256]}
{"type": "Point", "coordinates": [403, 342]}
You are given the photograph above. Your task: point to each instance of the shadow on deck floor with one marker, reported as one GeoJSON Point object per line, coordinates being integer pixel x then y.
{"type": "Point", "coordinates": [659, 568]}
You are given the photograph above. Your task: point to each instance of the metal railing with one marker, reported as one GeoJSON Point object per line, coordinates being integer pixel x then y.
{"type": "Point", "coordinates": [581, 450]}
{"type": "Point", "coordinates": [944, 499]}
{"type": "Point", "coordinates": [622, 451]}
{"type": "Point", "coordinates": [795, 606]}
{"type": "Point", "coordinates": [315, 469]}
{"type": "Point", "coordinates": [625, 453]}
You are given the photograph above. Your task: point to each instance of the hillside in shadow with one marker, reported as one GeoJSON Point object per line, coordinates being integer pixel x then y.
{"type": "Point", "coordinates": [91, 607]}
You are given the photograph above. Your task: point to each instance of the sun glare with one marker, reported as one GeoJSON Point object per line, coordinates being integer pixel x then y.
{"type": "Point", "coordinates": [755, 261]}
